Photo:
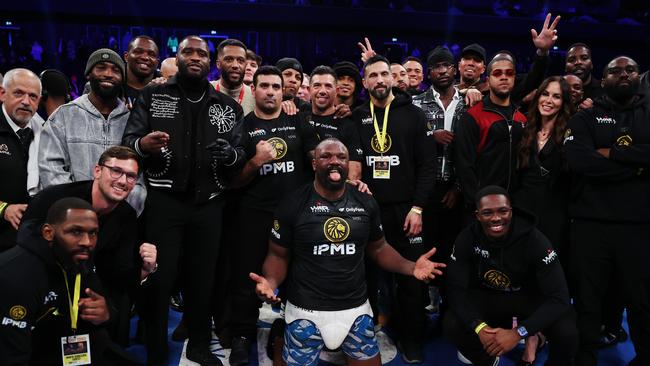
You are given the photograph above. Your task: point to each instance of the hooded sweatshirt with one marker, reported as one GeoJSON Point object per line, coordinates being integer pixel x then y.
{"type": "Point", "coordinates": [523, 262]}
{"type": "Point", "coordinates": [73, 139]}
{"type": "Point", "coordinates": [614, 189]}
{"type": "Point", "coordinates": [411, 151]}
{"type": "Point", "coordinates": [34, 296]}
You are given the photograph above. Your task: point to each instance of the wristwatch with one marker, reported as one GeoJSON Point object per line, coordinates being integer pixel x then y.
{"type": "Point", "coordinates": [522, 331]}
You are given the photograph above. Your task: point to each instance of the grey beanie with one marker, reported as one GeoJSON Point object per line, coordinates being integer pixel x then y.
{"type": "Point", "coordinates": [105, 55]}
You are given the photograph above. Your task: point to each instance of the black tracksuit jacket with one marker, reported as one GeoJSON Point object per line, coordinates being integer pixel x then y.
{"type": "Point", "coordinates": [486, 148]}
{"type": "Point", "coordinates": [614, 189]}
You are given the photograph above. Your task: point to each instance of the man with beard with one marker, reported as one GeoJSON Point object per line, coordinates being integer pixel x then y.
{"type": "Point", "coordinates": [19, 133]}
{"type": "Point", "coordinates": [443, 106]}
{"type": "Point", "coordinates": [323, 94]}
{"type": "Point", "coordinates": [414, 70]}
{"type": "Point", "coordinates": [400, 162]}
{"type": "Point", "coordinates": [488, 134]}
{"type": "Point", "coordinates": [400, 78]}
{"type": "Point", "coordinates": [141, 63]}
{"type": "Point", "coordinates": [320, 237]}
{"type": "Point", "coordinates": [578, 63]}
{"type": "Point", "coordinates": [253, 62]}
{"type": "Point", "coordinates": [608, 148]}
{"type": "Point", "coordinates": [115, 176]}
{"type": "Point", "coordinates": [62, 299]}
{"type": "Point", "coordinates": [231, 62]}
{"type": "Point", "coordinates": [471, 66]}
{"type": "Point", "coordinates": [348, 84]}
{"type": "Point", "coordinates": [502, 267]}
{"type": "Point", "coordinates": [188, 133]}
{"type": "Point", "coordinates": [279, 147]}
{"type": "Point", "coordinates": [78, 132]}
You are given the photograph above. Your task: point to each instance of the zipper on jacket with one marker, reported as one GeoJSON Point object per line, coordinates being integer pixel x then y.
{"type": "Point", "coordinates": [510, 123]}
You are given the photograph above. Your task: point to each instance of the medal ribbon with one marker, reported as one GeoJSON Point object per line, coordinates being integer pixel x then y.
{"type": "Point", "coordinates": [381, 135]}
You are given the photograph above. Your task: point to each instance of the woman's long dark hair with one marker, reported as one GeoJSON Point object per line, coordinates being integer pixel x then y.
{"type": "Point", "coordinates": [534, 122]}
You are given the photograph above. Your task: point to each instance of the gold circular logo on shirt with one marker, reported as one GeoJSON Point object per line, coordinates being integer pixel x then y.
{"type": "Point", "coordinates": [279, 146]}
{"type": "Point", "coordinates": [625, 140]}
{"type": "Point", "coordinates": [497, 279]}
{"type": "Point", "coordinates": [276, 225]}
{"type": "Point", "coordinates": [17, 312]}
{"type": "Point", "coordinates": [336, 229]}
{"type": "Point", "coordinates": [374, 143]}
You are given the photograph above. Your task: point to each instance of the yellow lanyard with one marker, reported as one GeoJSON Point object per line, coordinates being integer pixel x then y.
{"type": "Point", "coordinates": [74, 302]}
{"type": "Point", "coordinates": [381, 135]}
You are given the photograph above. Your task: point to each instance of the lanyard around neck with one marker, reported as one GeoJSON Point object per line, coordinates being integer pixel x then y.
{"type": "Point", "coordinates": [73, 303]}
{"type": "Point", "coordinates": [381, 134]}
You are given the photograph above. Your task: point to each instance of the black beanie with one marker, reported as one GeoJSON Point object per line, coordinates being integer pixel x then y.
{"type": "Point", "coordinates": [289, 63]}
{"type": "Point", "coordinates": [440, 54]}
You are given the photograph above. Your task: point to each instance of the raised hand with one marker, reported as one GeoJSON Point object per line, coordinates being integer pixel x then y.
{"type": "Point", "coordinates": [366, 50]}
{"type": "Point", "coordinates": [548, 35]}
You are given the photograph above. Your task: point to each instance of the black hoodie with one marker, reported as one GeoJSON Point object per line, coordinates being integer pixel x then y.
{"type": "Point", "coordinates": [34, 295]}
{"type": "Point", "coordinates": [411, 151]}
{"type": "Point", "coordinates": [523, 262]}
{"type": "Point", "coordinates": [614, 189]}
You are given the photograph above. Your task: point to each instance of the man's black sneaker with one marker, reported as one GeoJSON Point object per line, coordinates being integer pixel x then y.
{"type": "Point", "coordinates": [411, 352]}
{"type": "Point", "coordinates": [610, 338]}
{"type": "Point", "coordinates": [239, 352]}
{"type": "Point", "coordinates": [202, 356]}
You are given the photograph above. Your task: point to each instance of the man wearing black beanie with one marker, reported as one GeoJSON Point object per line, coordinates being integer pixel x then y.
{"type": "Point", "coordinates": [348, 84]}
{"type": "Point", "coordinates": [292, 74]}
{"type": "Point", "coordinates": [443, 106]}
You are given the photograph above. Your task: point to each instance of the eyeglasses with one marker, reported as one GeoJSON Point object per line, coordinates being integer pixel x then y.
{"type": "Point", "coordinates": [488, 214]}
{"type": "Point", "coordinates": [499, 72]}
{"type": "Point", "coordinates": [117, 173]}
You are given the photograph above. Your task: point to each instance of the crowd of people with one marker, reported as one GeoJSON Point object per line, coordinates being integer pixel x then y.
{"type": "Point", "coordinates": [517, 206]}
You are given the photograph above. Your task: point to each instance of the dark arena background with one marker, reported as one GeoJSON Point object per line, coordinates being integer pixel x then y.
{"type": "Point", "coordinates": [41, 34]}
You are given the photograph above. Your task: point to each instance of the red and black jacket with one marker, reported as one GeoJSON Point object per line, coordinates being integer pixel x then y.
{"type": "Point", "coordinates": [486, 147]}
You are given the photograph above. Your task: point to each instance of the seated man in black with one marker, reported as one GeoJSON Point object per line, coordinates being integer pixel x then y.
{"type": "Point", "coordinates": [39, 280]}
{"type": "Point", "coordinates": [502, 267]}
{"type": "Point", "coordinates": [117, 265]}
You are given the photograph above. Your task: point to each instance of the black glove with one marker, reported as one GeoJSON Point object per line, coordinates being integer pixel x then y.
{"type": "Point", "coordinates": [222, 152]}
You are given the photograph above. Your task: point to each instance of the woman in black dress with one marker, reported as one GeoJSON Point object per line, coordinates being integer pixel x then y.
{"type": "Point", "coordinates": [543, 177]}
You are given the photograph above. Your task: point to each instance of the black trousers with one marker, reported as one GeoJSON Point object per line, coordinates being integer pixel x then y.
{"type": "Point", "coordinates": [602, 252]}
{"type": "Point", "coordinates": [411, 294]}
{"type": "Point", "coordinates": [247, 255]}
{"type": "Point", "coordinates": [497, 310]}
{"type": "Point", "coordinates": [441, 225]}
{"type": "Point", "coordinates": [175, 224]}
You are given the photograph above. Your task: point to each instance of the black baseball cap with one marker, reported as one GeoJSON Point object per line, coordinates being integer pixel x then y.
{"type": "Point", "coordinates": [476, 49]}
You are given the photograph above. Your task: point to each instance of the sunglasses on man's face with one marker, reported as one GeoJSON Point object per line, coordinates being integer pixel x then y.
{"type": "Point", "coordinates": [499, 72]}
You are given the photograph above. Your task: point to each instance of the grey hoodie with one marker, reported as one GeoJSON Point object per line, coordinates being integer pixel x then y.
{"type": "Point", "coordinates": [74, 137]}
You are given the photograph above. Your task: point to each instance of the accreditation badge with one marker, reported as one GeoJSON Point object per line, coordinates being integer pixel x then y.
{"type": "Point", "coordinates": [75, 350]}
{"type": "Point", "coordinates": [381, 167]}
